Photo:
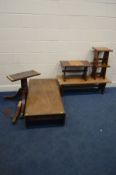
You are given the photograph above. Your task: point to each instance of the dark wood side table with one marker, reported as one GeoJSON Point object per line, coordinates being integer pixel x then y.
{"type": "Point", "coordinates": [75, 66]}
{"type": "Point", "coordinates": [22, 92]}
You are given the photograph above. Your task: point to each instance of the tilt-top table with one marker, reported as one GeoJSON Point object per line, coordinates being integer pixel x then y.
{"type": "Point", "coordinates": [22, 92]}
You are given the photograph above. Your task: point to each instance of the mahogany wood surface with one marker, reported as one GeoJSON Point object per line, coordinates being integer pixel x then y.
{"type": "Point", "coordinates": [43, 99]}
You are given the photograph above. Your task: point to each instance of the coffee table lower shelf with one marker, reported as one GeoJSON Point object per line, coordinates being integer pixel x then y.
{"type": "Point", "coordinates": [79, 83]}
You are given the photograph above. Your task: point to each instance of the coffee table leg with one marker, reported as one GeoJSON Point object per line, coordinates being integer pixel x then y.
{"type": "Point", "coordinates": [85, 73]}
{"type": "Point", "coordinates": [102, 87]}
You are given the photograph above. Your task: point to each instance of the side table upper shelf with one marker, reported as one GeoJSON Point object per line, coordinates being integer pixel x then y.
{"type": "Point", "coordinates": [75, 66]}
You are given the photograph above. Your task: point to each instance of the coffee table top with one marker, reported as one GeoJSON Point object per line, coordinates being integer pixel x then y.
{"type": "Point", "coordinates": [22, 75]}
{"type": "Point", "coordinates": [44, 99]}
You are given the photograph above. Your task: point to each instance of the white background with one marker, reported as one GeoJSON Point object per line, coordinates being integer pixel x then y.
{"type": "Point", "coordinates": [37, 34]}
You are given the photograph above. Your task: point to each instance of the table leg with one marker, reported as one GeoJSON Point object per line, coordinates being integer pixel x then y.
{"type": "Point", "coordinates": [24, 85]}
{"type": "Point", "coordinates": [16, 116]}
{"type": "Point", "coordinates": [20, 108]}
{"type": "Point", "coordinates": [102, 87]}
{"type": "Point", "coordinates": [64, 76]}
{"type": "Point", "coordinates": [94, 70]}
{"type": "Point", "coordinates": [18, 94]}
{"type": "Point", "coordinates": [24, 98]}
{"type": "Point", "coordinates": [85, 73]}
{"type": "Point", "coordinates": [22, 93]}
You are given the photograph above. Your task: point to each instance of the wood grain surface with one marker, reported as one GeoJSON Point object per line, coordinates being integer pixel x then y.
{"type": "Point", "coordinates": [43, 98]}
{"type": "Point", "coordinates": [80, 81]}
{"type": "Point", "coordinates": [75, 63]}
{"type": "Point", "coordinates": [22, 75]}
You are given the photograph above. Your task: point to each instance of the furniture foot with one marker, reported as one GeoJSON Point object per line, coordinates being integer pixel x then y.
{"type": "Point", "coordinates": [102, 88]}
{"type": "Point", "coordinates": [18, 94]}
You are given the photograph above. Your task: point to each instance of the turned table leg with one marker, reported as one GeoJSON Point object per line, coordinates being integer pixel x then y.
{"type": "Point", "coordinates": [22, 93]}
{"type": "Point", "coordinates": [18, 94]}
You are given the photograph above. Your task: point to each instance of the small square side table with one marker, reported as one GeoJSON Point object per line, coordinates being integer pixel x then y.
{"type": "Point", "coordinates": [22, 92]}
{"type": "Point", "coordinates": [75, 66]}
